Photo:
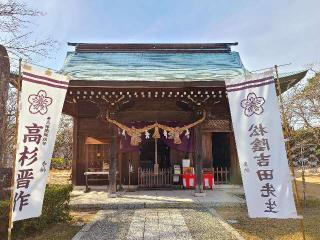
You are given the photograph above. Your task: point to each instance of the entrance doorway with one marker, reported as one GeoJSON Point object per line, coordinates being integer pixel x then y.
{"type": "Point", "coordinates": [221, 156]}
{"type": "Point", "coordinates": [147, 154]}
{"type": "Point", "coordinates": [148, 176]}
{"type": "Point", "coordinates": [221, 150]}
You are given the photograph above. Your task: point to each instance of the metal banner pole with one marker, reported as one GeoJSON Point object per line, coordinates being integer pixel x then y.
{"type": "Point", "coordinates": [10, 226]}
{"type": "Point", "coordinates": [287, 136]}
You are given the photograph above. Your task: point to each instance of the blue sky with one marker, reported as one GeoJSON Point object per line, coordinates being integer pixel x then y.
{"type": "Point", "coordinates": [269, 32]}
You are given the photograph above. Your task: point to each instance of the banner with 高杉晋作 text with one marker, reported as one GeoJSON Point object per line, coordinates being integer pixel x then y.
{"type": "Point", "coordinates": [42, 97]}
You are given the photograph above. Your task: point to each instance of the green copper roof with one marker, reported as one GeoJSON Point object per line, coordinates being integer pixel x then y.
{"type": "Point", "coordinates": [151, 66]}
{"type": "Point", "coordinates": [113, 65]}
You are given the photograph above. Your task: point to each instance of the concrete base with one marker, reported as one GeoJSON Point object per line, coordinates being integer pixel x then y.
{"type": "Point", "coordinates": [105, 187]}
{"type": "Point", "coordinates": [153, 198]}
{"type": "Point", "coordinates": [202, 194]}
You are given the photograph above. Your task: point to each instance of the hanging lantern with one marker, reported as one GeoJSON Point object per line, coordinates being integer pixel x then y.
{"type": "Point", "coordinates": [156, 133]}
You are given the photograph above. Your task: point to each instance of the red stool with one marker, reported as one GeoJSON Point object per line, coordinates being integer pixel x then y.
{"type": "Point", "coordinates": [208, 180]}
{"type": "Point", "coordinates": [189, 180]}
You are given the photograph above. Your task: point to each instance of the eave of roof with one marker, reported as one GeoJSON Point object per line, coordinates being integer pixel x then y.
{"type": "Point", "coordinates": [287, 80]}
{"type": "Point", "coordinates": [153, 47]}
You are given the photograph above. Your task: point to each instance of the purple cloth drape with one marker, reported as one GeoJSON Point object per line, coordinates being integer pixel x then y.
{"type": "Point", "coordinates": [185, 146]}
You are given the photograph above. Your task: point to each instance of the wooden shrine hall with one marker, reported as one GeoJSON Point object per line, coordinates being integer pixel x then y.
{"type": "Point", "coordinates": [145, 114]}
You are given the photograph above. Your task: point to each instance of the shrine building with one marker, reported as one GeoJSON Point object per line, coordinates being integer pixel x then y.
{"type": "Point", "coordinates": [145, 114]}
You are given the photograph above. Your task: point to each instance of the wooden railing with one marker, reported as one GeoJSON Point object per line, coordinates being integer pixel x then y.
{"type": "Point", "coordinates": [148, 179]}
{"type": "Point", "coordinates": [221, 175]}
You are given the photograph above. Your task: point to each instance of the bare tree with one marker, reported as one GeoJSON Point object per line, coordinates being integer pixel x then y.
{"type": "Point", "coordinates": [19, 42]}
{"type": "Point", "coordinates": [10, 127]}
{"type": "Point", "coordinates": [14, 22]}
{"type": "Point", "coordinates": [302, 107]}
{"type": "Point", "coordinates": [63, 144]}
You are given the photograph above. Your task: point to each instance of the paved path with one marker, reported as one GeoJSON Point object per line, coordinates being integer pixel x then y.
{"type": "Point", "coordinates": [158, 224]}
{"type": "Point", "coordinates": [108, 224]}
{"type": "Point", "coordinates": [164, 224]}
{"type": "Point", "coordinates": [159, 215]}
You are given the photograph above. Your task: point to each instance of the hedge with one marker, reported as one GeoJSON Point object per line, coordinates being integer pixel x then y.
{"type": "Point", "coordinates": [58, 163]}
{"type": "Point", "coordinates": [55, 209]}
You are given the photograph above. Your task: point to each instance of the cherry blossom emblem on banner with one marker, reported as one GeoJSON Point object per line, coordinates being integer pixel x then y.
{"type": "Point", "coordinates": [252, 104]}
{"type": "Point", "coordinates": [39, 102]}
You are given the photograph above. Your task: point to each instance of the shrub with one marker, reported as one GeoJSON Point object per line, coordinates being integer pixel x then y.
{"type": "Point", "coordinates": [55, 209]}
{"type": "Point", "coordinates": [318, 152]}
{"type": "Point", "coordinates": [4, 213]}
{"type": "Point", "coordinates": [58, 163]}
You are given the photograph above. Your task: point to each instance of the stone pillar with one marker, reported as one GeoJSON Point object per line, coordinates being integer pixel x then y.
{"type": "Point", "coordinates": [4, 85]}
{"type": "Point", "coordinates": [198, 160]}
{"type": "Point", "coordinates": [113, 162]}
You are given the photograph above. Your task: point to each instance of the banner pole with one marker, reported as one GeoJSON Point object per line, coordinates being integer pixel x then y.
{"type": "Point", "coordinates": [287, 136]}
{"type": "Point", "coordinates": [10, 225]}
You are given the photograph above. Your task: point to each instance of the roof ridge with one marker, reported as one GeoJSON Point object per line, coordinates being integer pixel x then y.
{"type": "Point", "coordinates": [153, 47]}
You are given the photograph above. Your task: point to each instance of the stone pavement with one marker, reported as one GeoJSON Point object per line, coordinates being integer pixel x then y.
{"type": "Point", "coordinates": [163, 224]}
{"type": "Point", "coordinates": [108, 224]}
{"type": "Point", "coordinates": [157, 224]}
{"type": "Point", "coordinates": [99, 198]}
{"type": "Point", "coordinates": [161, 215]}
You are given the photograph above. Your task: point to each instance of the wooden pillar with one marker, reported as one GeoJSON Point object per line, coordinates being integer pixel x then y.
{"type": "Point", "coordinates": [113, 160]}
{"type": "Point", "coordinates": [120, 164]}
{"type": "Point", "coordinates": [207, 149]}
{"type": "Point", "coordinates": [75, 155]}
{"type": "Point", "coordinates": [235, 177]}
{"type": "Point", "coordinates": [198, 159]}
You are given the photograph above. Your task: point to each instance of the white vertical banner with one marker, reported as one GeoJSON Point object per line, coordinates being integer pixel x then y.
{"type": "Point", "coordinates": [42, 97]}
{"type": "Point", "coordinates": [260, 146]}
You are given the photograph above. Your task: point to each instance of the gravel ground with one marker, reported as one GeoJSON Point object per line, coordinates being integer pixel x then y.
{"type": "Point", "coordinates": [59, 176]}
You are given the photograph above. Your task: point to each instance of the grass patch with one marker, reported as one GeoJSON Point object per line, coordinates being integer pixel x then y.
{"type": "Point", "coordinates": [262, 228]}
{"type": "Point", "coordinates": [67, 230]}
{"type": "Point", "coordinates": [57, 231]}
